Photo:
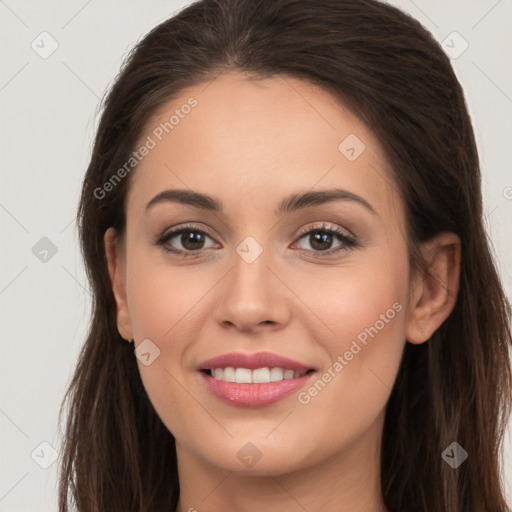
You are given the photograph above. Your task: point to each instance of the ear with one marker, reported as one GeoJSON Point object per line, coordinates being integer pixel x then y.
{"type": "Point", "coordinates": [434, 292]}
{"type": "Point", "coordinates": [116, 267]}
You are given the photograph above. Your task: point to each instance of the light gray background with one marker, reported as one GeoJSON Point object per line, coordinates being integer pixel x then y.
{"type": "Point", "coordinates": [48, 120]}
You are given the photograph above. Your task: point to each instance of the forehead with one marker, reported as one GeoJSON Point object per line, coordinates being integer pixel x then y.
{"type": "Point", "coordinates": [252, 142]}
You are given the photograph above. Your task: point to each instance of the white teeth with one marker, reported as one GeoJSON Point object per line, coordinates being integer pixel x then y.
{"type": "Point", "coordinates": [229, 374]}
{"type": "Point", "coordinates": [261, 375]}
{"type": "Point", "coordinates": [288, 374]}
{"type": "Point", "coordinates": [257, 376]}
{"type": "Point", "coordinates": [276, 374]}
{"type": "Point", "coordinates": [243, 376]}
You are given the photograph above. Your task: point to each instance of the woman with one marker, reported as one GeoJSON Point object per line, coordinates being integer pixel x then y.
{"type": "Point", "coordinates": [282, 217]}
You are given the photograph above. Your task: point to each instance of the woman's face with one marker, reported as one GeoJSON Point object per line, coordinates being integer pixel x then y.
{"type": "Point", "coordinates": [322, 281]}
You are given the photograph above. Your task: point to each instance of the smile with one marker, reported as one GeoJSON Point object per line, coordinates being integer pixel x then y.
{"type": "Point", "coordinates": [253, 380]}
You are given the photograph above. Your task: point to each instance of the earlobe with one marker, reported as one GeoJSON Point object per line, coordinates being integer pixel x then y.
{"type": "Point", "coordinates": [433, 299]}
{"type": "Point", "coordinates": [116, 263]}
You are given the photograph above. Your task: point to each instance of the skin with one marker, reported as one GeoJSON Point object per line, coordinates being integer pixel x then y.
{"type": "Point", "coordinates": [251, 144]}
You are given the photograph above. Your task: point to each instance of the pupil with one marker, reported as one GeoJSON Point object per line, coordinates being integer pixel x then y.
{"type": "Point", "coordinates": [321, 238]}
{"type": "Point", "coordinates": [192, 240]}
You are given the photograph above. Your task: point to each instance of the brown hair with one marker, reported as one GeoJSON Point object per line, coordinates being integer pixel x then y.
{"type": "Point", "coordinates": [389, 70]}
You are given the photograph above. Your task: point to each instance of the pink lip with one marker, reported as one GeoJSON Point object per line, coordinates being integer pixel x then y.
{"type": "Point", "coordinates": [253, 361]}
{"type": "Point", "coordinates": [253, 395]}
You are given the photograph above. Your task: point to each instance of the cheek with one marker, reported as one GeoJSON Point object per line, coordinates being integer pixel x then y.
{"type": "Point", "coordinates": [165, 304]}
{"type": "Point", "coordinates": [354, 303]}
{"type": "Point", "coordinates": [365, 311]}
{"type": "Point", "coordinates": [160, 300]}
{"type": "Point", "coordinates": [163, 298]}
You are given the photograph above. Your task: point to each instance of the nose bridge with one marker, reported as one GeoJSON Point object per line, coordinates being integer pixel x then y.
{"type": "Point", "coordinates": [250, 276]}
{"type": "Point", "coordinates": [252, 294]}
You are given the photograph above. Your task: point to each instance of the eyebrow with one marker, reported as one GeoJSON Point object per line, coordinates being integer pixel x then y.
{"type": "Point", "coordinates": [292, 203]}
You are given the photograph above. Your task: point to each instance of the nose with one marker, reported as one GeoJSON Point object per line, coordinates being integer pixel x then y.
{"type": "Point", "coordinates": [253, 299]}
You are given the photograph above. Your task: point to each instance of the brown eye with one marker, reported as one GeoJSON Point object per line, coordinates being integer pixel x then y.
{"type": "Point", "coordinates": [192, 240]}
{"type": "Point", "coordinates": [321, 240]}
{"type": "Point", "coordinates": [185, 240]}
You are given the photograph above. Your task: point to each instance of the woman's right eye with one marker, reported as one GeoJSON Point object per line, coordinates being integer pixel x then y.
{"type": "Point", "coordinates": [192, 241]}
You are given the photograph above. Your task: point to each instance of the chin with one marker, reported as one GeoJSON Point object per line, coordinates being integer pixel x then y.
{"type": "Point", "coordinates": [259, 457]}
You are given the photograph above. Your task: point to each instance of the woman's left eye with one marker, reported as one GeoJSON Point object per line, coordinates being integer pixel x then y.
{"type": "Point", "coordinates": [320, 240]}
{"type": "Point", "coordinates": [320, 237]}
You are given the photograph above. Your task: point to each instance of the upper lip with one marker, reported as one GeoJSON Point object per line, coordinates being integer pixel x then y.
{"type": "Point", "coordinates": [253, 361]}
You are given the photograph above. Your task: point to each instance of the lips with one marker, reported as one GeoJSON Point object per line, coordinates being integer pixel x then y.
{"type": "Point", "coordinates": [253, 380]}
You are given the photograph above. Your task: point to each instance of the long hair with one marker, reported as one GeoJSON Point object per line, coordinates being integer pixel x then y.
{"type": "Point", "coordinates": [385, 67]}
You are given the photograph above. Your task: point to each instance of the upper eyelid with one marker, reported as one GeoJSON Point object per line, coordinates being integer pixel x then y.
{"type": "Point", "coordinates": [326, 226]}
{"type": "Point", "coordinates": [178, 230]}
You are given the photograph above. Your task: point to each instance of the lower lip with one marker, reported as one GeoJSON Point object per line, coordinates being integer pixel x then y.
{"type": "Point", "coordinates": [254, 395]}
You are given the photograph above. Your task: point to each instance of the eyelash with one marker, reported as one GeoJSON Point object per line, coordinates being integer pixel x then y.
{"type": "Point", "coordinates": [349, 242]}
